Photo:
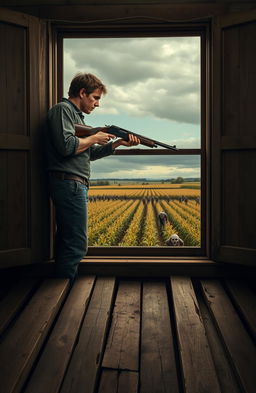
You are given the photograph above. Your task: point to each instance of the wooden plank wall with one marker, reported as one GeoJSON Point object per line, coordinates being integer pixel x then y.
{"type": "Point", "coordinates": [239, 83]}
{"type": "Point", "coordinates": [23, 200]}
{"type": "Point", "coordinates": [14, 140]}
{"type": "Point", "coordinates": [234, 141]}
{"type": "Point", "coordinates": [101, 9]}
{"type": "Point", "coordinates": [108, 334]}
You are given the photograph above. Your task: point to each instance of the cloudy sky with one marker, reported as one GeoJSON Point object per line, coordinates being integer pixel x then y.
{"type": "Point", "coordinates": [153, 89]}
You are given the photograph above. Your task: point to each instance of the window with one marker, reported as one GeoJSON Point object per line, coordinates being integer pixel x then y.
{"type": "Point", "coordinates": [155, 88]}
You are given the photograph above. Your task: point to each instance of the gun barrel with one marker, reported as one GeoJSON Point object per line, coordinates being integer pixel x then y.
{"type": "Point", "coordinates": [152, 142]}
{"type": "Point", "coordinates": [122, 133]}
{"type": "Point", "coordinates": [166, 146]}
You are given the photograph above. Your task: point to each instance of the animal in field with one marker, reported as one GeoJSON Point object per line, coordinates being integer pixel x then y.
{"type": "Point", "coordinates": [163, 219]}
{"type": "Point", "coordinates": [174, 241]}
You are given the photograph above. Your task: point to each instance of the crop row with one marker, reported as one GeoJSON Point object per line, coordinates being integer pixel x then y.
{"type": "Point", "coordinates": [97, 226]}
{"type": "Point", "coordinates": [117, 228]}
{"type": "Point", "coordinates": [140, 192]}
{"type": "Point", "coordinates": [188, 231]}
{"type": "Point", "coordinates": [133, 223]}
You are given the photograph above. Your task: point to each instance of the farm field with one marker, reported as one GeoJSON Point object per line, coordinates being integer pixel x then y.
{"type": "Point", "coordinates": [127, 215]}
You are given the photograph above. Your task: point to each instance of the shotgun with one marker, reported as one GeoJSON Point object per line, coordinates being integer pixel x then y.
{"type": "Point", "coordinates": [83, 130]}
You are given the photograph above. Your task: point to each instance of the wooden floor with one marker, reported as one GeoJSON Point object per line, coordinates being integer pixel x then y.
{"type": "Point", "coordinates": [107, 334]}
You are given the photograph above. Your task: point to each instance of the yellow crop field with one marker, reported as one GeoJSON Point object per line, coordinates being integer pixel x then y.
{"type": "Point", "coordinates": [127, 215]}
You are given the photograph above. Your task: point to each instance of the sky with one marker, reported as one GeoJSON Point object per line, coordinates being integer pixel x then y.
{"type": "Point", "coordinates": [153, 89]}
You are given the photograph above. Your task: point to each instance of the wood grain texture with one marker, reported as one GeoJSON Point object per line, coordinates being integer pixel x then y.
{"type": "Point", "coordinates": [23, 342]}
{"type": "Point", "coordinates": [245, 300]}
{"type": "Point", "coordinates": [50, 370]}
{"type": "Point", "coordinates": [122, 350]}
{"type": "Point", "coordinates": [233, 111]}
{"type": "Point", "coordinates": [14, 299]}
{"type": "Point", "coordinates": [56, 342]}
{"type": "Point", "coordinates": [13, 78]}
{"type": "Point", "coordinates": [238, 344]}
{"type": "Point", "coordinates": [118, 382]}
{"type": "Point", "coordinates": [226, 376]}
{"type": "Point", "coordinates": [172, 12]}
{"type": "Point", "coordinates": [86, 360]}
{"type": "Point", "coordinates": [158, 367]}
{"type": "Point", "coordinates": [198, 368]}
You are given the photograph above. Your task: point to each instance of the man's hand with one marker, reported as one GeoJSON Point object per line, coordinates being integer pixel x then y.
{"type": "Point", "coordinates": [133, 141]}
{"type": "Point", "coordinates": [101, 138]}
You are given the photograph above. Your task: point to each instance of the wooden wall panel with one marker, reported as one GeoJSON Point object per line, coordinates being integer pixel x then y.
{"type": "Point", "coordinates": [13, 79]}
{"type": "Point", "coordinates": [3, 200]}
{"type": "Point", "coordinates": [239, 79]}
{"type": "Point", "coordinates": [234, 139]}
{"type": "Point", "coordinates": [14, 209]}
{"type": "Point", "coordinates": [18, 200]}
{"type": "Point", "coordinates": [108, 9]}
{"type": "Point", "coordinates": [239, 199]}
{"type": "Point", "coordinates": [37, 3]}
{"type": "Point", "coordinates": [14, 143]}
{"type": "Point", "coordinates": [23, 102]}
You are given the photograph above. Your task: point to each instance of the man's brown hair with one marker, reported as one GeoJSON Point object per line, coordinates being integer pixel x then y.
{"type": "Point", "coordinates": [89, 82]}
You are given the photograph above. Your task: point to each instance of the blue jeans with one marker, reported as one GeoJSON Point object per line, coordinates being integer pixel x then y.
{"type": "Point", "coordinates": [70, 199]}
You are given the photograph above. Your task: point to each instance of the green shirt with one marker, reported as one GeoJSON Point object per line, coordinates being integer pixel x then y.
{"type": "Point", "coordinates": [61, 142]}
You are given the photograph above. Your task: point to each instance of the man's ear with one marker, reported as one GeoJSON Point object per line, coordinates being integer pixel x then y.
{"type": "Point", "coordinates": [82, 92]}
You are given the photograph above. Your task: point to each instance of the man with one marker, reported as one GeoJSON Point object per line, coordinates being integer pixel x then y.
{"type": "Point", "coordinates": [68, 166]}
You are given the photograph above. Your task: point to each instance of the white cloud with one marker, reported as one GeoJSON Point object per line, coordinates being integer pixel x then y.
{"type": "Point", "coordinates": [153, 167]}
{"type": "Point", "coordinates": [149, 172]}
{"type": "Point", "coordinates": [157, 77]}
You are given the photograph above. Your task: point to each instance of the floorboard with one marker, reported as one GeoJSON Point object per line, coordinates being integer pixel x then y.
{"type": "Point", "coordinates": [21, 344]}
{"type": "Point", "coordinates": [119, 382]}
{"type": "Point", "coordinates": [193, 344]}
{"type": "Point", "coordinates": [238, 343]}
{"type": "Point", "coordinates": [158, 366]}
{"type": "Point", "coordinates": [48, 375]}
{"type": "Point", "coordinates": [86, 360]}
{"type": "Point", "coordinates": [226, 376]}
{"type": "Point", "coordinates": [107, 334]}
{"type": "Point", "coordinates": [245, 299]}
{"type": "Point", "coordinates": [13, 301]}
{"type": "Point", "coordinates": [122, 350]}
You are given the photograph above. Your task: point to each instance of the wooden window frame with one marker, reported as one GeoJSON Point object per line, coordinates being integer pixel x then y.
{"type": "Point", "coordinates": [112, 29]}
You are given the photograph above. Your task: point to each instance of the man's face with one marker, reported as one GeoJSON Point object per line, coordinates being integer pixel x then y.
{"type": "Point", "coordinates": [89, 101]}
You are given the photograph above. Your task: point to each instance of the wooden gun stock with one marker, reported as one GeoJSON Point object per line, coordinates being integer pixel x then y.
{"type": "Point", "coordinates": [82, 130]}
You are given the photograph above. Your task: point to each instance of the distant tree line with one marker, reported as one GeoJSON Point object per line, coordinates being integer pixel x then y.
{"type": "Point", "coordinates": [99, 183]}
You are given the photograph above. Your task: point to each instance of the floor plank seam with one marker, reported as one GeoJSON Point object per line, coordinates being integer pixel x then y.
{"type": "Point", "coordinates": [174, 334]}
{"type": "Point", "coordinates": [105, 339]}
{"type": "Point", "coordinates": [21, 309]}
{"type": "Point", "coordinates": [239, 312]}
